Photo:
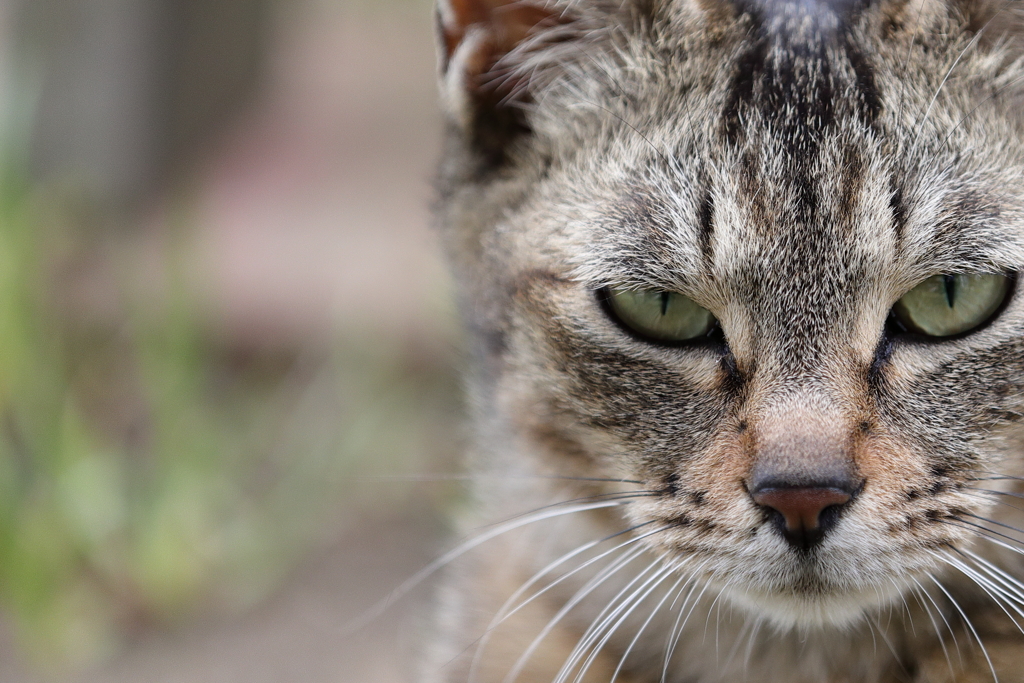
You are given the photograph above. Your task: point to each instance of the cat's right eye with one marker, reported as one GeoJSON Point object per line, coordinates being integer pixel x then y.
{"type": "Point", "coordinates": [949, 305]}
{"type": "Point", "coordinates": [659, 315]}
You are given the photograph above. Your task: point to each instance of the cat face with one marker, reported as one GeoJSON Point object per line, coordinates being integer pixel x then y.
{"type": "Point", "coordinates": [795, 174]}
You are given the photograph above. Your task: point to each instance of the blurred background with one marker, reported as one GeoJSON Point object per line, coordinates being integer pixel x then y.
{"type": "Point", "coordinates": [227, 400]}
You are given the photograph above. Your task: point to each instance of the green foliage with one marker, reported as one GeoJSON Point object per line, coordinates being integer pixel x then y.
{"type": "Point", "coordinates": [147, 473]}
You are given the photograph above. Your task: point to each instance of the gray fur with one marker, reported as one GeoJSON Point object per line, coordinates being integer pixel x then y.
{"type": "Point", "coordinates": [794, 167]}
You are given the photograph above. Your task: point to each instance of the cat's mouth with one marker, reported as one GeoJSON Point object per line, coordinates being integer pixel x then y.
{"type": "Point", "coordinates": [799, 610]}
{"type": "Point", "coordinates": [795, 589]}
{"type": "Point", "coordinates": [779, 573]}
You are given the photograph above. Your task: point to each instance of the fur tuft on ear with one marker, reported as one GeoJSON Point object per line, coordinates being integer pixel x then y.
{"type": "Point", "coordinates": [485, 46]}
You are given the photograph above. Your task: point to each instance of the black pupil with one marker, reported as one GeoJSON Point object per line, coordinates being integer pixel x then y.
{"type": "Point", "coordinates": [950, 285]}
{"type": "Point", "coordinates": [664, 302]}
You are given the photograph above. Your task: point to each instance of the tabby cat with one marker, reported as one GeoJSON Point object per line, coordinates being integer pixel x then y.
{"type": "Point", "coordinates": [741, 278]}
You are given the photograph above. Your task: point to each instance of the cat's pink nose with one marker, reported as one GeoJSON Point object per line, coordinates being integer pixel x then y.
{"type": "Point", "coordinates": [801, 509]}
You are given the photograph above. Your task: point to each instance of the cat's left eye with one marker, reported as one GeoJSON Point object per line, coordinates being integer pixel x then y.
{"type": "Point", "coordinates": [659, 315]}
{"type": "Point", "coordinates": [948, 305]}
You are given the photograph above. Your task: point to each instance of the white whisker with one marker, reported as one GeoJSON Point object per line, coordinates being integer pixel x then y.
{"type": "Point", "coordinates": [416, 579]}
{"type": "Point", "coordinates": [906, 60]}
{"type": "Point", "coordinates": [751, 642]}
{"type": "Point", "coordinates": [989, 588]}
{"type": "Point", "coordinates": [989, 535]}
{"type": "Point", "coordinates": [924, 118]}
{"type": "Point", "coordinates": [505, 612]}
{"type": "Point", "coordinates": [680, 623]}
{"type": "Point", "coordinates": [970, 626]}
{"type": "Point", "coordinates": [882, 633]}
{"type": "Point", "coordinates": [918, 590]}
{"type": "Point", "coordinates": [643, 626]}
{"type": "Point", "coordinates": [578, 597]}
{"type": "Point", "coordinates": [602, 624]}
{"type": "Point", "coordinates": [1011, 582]}
{"type": "Point", "coordinates": [707, 621]}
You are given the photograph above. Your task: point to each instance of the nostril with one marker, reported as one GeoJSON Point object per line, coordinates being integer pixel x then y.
{"type": "Point", "coordinates": [804, 511]}
{"type": "Point", "coordinates": [800, 507]}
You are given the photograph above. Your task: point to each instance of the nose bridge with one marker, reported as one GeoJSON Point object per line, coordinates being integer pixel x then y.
{"type": "Point", "coordinates": [803, 472]}
{"type": "Point", "coordinates": [803, 305]}
{"type": "Point", "coordinates": [803, 436]}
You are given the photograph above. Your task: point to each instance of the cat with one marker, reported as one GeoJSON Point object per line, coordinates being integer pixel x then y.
{"type": "Point", "coordinates": [747, 374]}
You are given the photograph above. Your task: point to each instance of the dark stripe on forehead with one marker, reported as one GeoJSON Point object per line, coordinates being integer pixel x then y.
{"type": "Point", "coordinates": [749, 66]}
{"type": "Point", "coordinates": [787, 84]}
{"type": "Point", "coordinates": [791, 68]}
{"type": "Point", "coordinates": [843, 10]}
{"type": "Point", "coordinates": [869, 102]}
{"type": "Point", "coordinates": [898, 206]}
{"type": "Point", "coordinates": [706, 226]}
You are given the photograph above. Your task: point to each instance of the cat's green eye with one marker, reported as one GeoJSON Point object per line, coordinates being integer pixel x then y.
{"type": "Point", "coordinates": [660, 315]}
{"type": "Point", "coordinates": [948, 305]}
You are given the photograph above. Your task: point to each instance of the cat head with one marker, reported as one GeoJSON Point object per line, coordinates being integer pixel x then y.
{"type": "Point", "coordinates": [760, 258]}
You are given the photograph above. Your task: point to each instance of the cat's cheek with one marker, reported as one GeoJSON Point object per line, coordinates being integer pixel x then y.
{"type": "Point", "coordinates": [709, 506]}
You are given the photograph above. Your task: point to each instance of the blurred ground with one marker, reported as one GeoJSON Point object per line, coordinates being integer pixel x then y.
{"type": "Point", "coordinates": [308, 230]}
{"type": "Point", "coordinates": [299, 633]}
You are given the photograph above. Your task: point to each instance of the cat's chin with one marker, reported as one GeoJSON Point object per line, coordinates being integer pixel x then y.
{"type": "Point", "coordinates": [792, 611]}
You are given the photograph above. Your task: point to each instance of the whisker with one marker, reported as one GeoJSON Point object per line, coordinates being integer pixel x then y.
{"type": "Point", "coordinates": [993, 521]}
{"type": "Point", "coordinates": [998, 91]}
{"type": "Point", "coordinates": [741, 636]}
{"type": "Point", "coordinates": [992, 539]}
{"type": "Point", "coordinates": [707, 621]}
{"type": "Point", "coordinates": [888, 643]}
{"type": "Point", "coordinates": [751, 642]}
{"type": "Point", "coordinates": [967, 622]}
{"type": "Point", "coordinates": [998, 476]}
{"type": "Point", "coordinates": [990, 589]}
{"type": "Point", "coordinates": [986, 495]}
{"type": "Point", "coordinates": [504, 613]}
{"type": "Point", "coordinates": [906, 61]}
{"type": "Point", "coordinates": [429, 477]}
{"type": "Point", "coordinates": [997, 492]}
{"type": "Point", "coordinates": [643, 626]}
{"type": "Point", "coordinates": [906, 606]}
{"type": "Point", "coordinates": [888, 604]}
{"type": "Point", "coordinates": [578, 597]}
{"type": "Point", "coordinates": [717, 606]}
{"type": "Point", "coordinates": [416, 579]}
{"type": "Point", "coordinates": [608, 74]}
{"type": "Point", "coordinates": [874, 641]}
{"type": "Point", "coordinates": [975, 39]}
{"type": "Point", "coordinates": [636, 130]}
{"type": "Point", "coordinates": [918, 589]}
{"type": "Point", "coordinates": [677, 628]}
{"type": "Point", "coordinates": [990, 535]}
{"type": "Point", "coordinates": [635, 603]}
{"type": "Point", "coordinates": [924, 118]}
{"type": "Point", "coordinates": [949, 627]}
{"type": "Point", "coordinates": [604, 619]}
{"type": "Point", "coordinates": [612, 496]}
{"type": "Point", "coordinates": [604, 626]}
{"type": "Point", "coordinates": [1011, 583]}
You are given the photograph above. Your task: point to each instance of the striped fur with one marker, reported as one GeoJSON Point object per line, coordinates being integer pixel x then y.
{"type": "Point", "coordinates": [795, 167]}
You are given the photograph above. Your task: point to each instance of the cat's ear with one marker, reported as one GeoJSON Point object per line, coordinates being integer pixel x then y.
{"type": "Point", "coordinates": [491, 58]}
{"type": "Point", "coordinates": [999, 22]}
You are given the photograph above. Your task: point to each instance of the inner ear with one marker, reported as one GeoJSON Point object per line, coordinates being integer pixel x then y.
{"type": "Point", "coordinates": [503, 25]}
{"type": "Point", "coordinates": [485, 47]}
{"type": "Point", "coordinates": [1000, 22]}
